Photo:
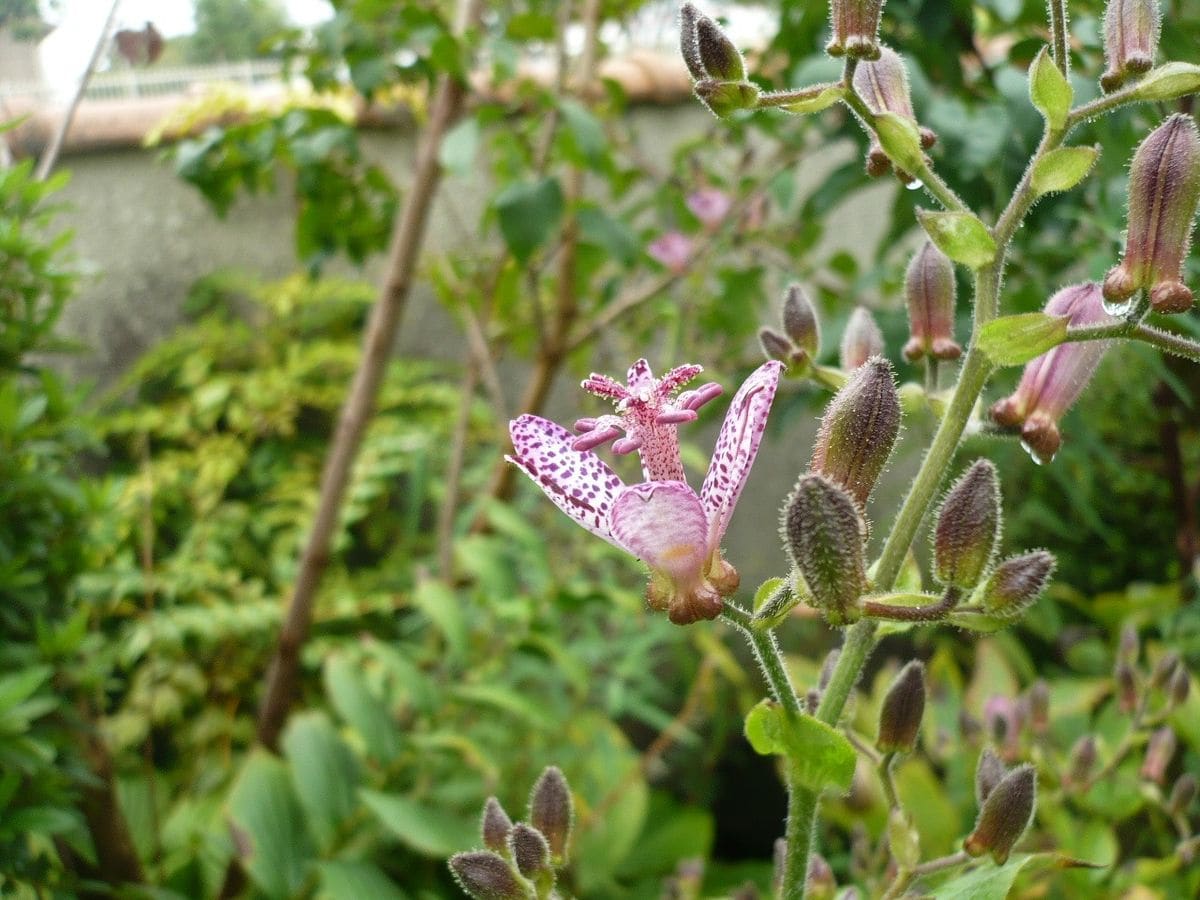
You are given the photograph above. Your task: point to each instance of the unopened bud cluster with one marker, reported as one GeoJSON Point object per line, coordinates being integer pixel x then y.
{"type": "Point", "coordinates": [800, 341]}
{"type": "Point", "coordinates": [883, 86]}
{"type": "Point", "coordinates": [717, 68]}
{"type": "Point", "coordinates": [520, 859]}
{"type": "Point", "coordinates": [1007, 805]}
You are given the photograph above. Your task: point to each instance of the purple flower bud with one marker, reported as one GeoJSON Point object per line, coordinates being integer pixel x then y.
{"type": "Point", "coordinates": [1005, 815]}
{"type": "Point", "coordinates": [861, 340]}
{"type": "Point", "coordinates": [529, 850]}
{"type": "Point", "coordinates": [1131, 29]}
{"type": "Point", "coordinates": [484, 875]}
{"type": "Point", "coordinates": [775, 345]}
{"type": "Point", "coordinates": [1164, 192]}
{"type": "Point", "coordinates": [1179, 686]}
{"type": "Point", "coordinates": [1183, 792]}
{"type": "Point", "coordinates": [989, 772]}
{"type": "Point", "coordinates": [968, 527]}
{"type": "Point", "coordinates": [883, 86]}
{"type": "Point", "coordinates": [689, 45]}
{"type": "Point", "coordinates": [820, 884]}
{"type": "Point", "coordinates": [1039, 707]}
{"type": "Point", "coordinates": [801, 322]}
{"type": "Point", "coordinates": [550, 811]}
{"type": "Point", "coordinates": [1081, 762]}
{"type": "Point", "coordinates": [858, 429]}
{"type": "Point", "coordinates": [495, 826]}
{"type": "Point", "coordinates": [1016, 584]}
{"type": "Point", "coordinates": [1159, 751]}
{"type": "Point", "coordinates": [1052, 382]}
{"type": "Point", "coordinates": [1126, 686]}
{"type": "Point", "coordinates": [1002, 716]}
{"type": "Point", "coordinates": [902, 709]}
{"type": "Point", "coordinates": [1164, 669]}
{"type": "Point", "coordinates": [710, 205]}
{"type": "Point", "coordinates": [929, 290]}
{"type": "Point", "coordinates": [719, 57]}
{"type": "Point", "coordinates": [1128, 647]}
{"type": "Point", "coordinates": [855, 28]}
{"type": "Point", "coordinates": [826, 537]}
{"type": "Point", "coordinates": [672, 249]}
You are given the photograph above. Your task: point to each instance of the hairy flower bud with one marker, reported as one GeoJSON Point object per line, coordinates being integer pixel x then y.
{"type": "Point", "coordinates": [1126, 687]}
{"type": "Point", "coordinates": [1039, 707]}
{"type": "Point", "coordinates": [1081, 762]}
{"type": "Point", "coordinates": [800, 321]}
{"type": "Point", "coordinates": [989, 772]}
{"type": "Point", "coordinates": [858, 429]}
{"type": "Point", "coordinates": [1159, 751]}
{"type": "Point", "coordinates": [826, 537]}
{"type": "Point", "coordinates": [968, 527]}
{"type": "Point", "coordinates": [1183, 792]}
{"type": "Point", "coordinates": [1052, 382]}
{"type": "Point", "coordinates": [484, 875]}
{"type": "Point", "coordinates": [1164, 192]}
{"type": "Point", "coordinates": [529, 850]}
{"type": "Point", "coordinates": [1179, 686]}
{"type": "Point", "coordinates": [883, 86]}
{"type": "Point", "coordinates": [725, 97]}
{"type": "Point", "coordinates": [900, 714]}
{"type": "Point", "coordinates": [1131, 29]}
{"type": "Point", "coordinates": [719, 57]}
{"type": "Point", "coordinates": [1164, 669]}
{"type": "Point", "coordinates": [855, 28]}
{"type": "Point", "coordinates": [550, 811]}
{"type": "Point", "coordinates": [775, 345]}
{"type": "Point", "coordinates": [861, 340]}
{"type": "Point", "coordinates": [1005, 815]}
{"type": "Point", "coordinates": [1016, 584]}
{"type": "Point", "coordinates": [495, 826]}
{"type": "Point", "coordinates": [929, 291]}
{"type": "Point", "coordinates": [820, 884]}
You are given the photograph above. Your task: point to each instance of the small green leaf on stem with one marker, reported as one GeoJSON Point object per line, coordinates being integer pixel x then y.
{"type": "Point", "coordinates": [528, 212]}
{"type": "Point", "coordinates": [818, 756]}
{"type": "Point", "coordinates": [1062, 169]}
{"type": "Point", "coordinates": [1050, 91]}
{"type": "Point", "coordinates": [901, 140]}
{"type": "Point", "coordinates": [773, 600]}
{"type": "Point", "coordinates": [819, 97]}
{"type": "Point", "coordinates": [961, 236]}
{"type": "Point", "coordinates": [1015, 340]}
{"type": "Point", "coordinates": [1168, 82]}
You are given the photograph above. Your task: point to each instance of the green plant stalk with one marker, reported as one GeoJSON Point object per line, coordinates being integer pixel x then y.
{"type": "Point", "coordinates": [1155, 337]}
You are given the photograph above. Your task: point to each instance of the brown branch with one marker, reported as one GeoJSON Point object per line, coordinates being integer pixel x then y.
{"type": "Point", "coordinates": [117, 861]}
{"type": "Point", "coordinates": [407, 238]}
{"type": "Point", "coordinates": [454, 467]}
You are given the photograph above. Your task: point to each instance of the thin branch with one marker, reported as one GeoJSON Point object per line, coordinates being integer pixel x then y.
{"type": "Point", "coordinates": [50, 154]}
{"type": "Point", "coordinates": [454, 466]}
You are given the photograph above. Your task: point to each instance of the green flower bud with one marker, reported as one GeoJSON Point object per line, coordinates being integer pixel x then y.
{"type": "Point", "coordinates": [861, 340]}
{"type": "Point", "coordinates": [726, 97]}
{"type": "Point", "coordinates": [989, 772]}
{"type": "Point", "coordinates": [495, 826]}
{"type": "Point", "coordinates": [826, 538]}
{"type": "Point", "coordinates": [1182, 794]}
{"type": "Point", "coordinates": [1131, 29]}
{"type": "Point", "coordinates": [800, 321]}
{"type": "Point", "coordinates": [929, 291]}
{"type": "Point", "coordinates": [485, 875]}
{"type": "Point", "coordinates": [550, 811]}
{"type": "Point", "coordinates": [900, 714]}
{"type": "Point", "coordinates": [1016, 584]}
{"type": "Point", "coordinates": [529, 850]}
{"type": "Point", "coordinates": [1164, 193]}
{"type": "Point", "coordinates": [719, 57]}
{"type": "Point", "coordinates": [968, 527]}
{"type": "Point", "coordinates": [1005, 815]}
{"type": "Point", "coordinates": [855, 28]}
{"type": "Point", "coordinates": [859, 429]}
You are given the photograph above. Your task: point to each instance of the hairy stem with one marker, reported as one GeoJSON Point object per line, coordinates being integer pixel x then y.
{"type": "Point", "coordinates": [1059, 34]}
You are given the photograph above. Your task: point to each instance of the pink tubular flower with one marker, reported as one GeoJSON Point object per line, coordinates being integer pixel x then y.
{"type": "Point", "coordinates": [710, 205]}
{"type": "Point", "coordinates": [662, 521]}
{"type": "Point", "coordinates": [673, 249]}
{"type": "Point", "coordinates": [1054, 380]}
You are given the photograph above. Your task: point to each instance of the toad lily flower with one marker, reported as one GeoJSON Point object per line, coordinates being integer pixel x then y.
{"type": "Point", "coordinates": [662, 521]}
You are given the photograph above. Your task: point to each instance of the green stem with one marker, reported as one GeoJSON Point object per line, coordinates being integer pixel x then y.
{"type": "Point", "coordinates": [1059, 34]}
{"type": "Point", "coordinates": [1165, 340]}
{"type": "Point", "coordinates": [766, 651]}
{"type": "Point", "coordinates": [885, 778]}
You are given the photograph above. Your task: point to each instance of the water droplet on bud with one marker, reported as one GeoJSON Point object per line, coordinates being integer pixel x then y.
{"type": "Point", "coordinates": [1033, 454]}
{"type": "Point", "coordinates": [915, 185]}
{"type": "Point", "coordinates": [1122, 308]}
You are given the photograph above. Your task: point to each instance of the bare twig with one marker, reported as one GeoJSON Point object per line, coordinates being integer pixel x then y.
{"type": "Point", "coordinates": [458, 442]}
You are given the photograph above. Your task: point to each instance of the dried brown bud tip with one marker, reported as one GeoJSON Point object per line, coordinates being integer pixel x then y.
{"type": "Point", "coordinates": [529, 850]}
{"type": "Point", "coordinates": [801, 322]}
{"type": "Point", "coordinates": [1182, 794]}
{"type": "Point", "coordinates": [826, 537]}
{"type": "Point", "coordinates": [1159, 751]}
{"type": "Point", "coordinates": [968, 527]}
{"type": "Point", "coordinates": [550, 811]}
{"type": "Point", "coordinates": [861, 340]}
{"type": "Point", "coordinates": [1016, 584]}
{"type": "Point", "coordinates": [989, 772]}
{"type": "Point", "coordinates": [1005, 815]}
{"type": "Point", "coordinates": [859, 429]}
{"type": "Point", "coordinates": [486, 876]}
{"type": "Point", "coordinates": [900, 714]}
{"type": "Point", "coordinates": [495, 826]}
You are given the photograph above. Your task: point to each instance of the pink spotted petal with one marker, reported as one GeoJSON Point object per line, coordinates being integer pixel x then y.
{"type": "Point", "coordinates": [737, 446]}
{"type": "Point", "coordinates": [639, 377]}
{"type": "Point", "coordinates": [663, 524]}
{"type": "Point", "coordinates": [579, 483]}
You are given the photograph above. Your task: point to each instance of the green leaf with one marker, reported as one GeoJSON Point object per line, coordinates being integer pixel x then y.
{"type": "Point", "coordinates": [325, 773]}
{"type": "Point", "coordinates": [442, 607]}
{"type": "Point", "coordinates": [428, 829]}
{"type": "Point", "coordinates": [990, 882]}
{"type": "Point", "coordinates": [356, 880]}
{"type": "Point", "coordinates": [900, 139]}
{"type": "Point", "coordinates": [1015, 340]}
{"type": "Point", "coordinates": [1062, 169]}
{"type": "Point", "coordinates": [818, 756]}
{"type": "Point", "coordinates": [1169, 82]}
{"type": "Point", "coordinates": [610, 234]}
{"type": "Point", "coordinates": [822, 97]}
{"type": "Point", "coordinates": [1050, 91]}
{"type": "Point", "coordinates": [528, 212]}
{"type": "Point", "coordinates": [268, 826]}
{"type": "Point", "coordinates": [960, 235]}
{"type": "Point", "coordinates": [361, 708]}
{"type": "Point", "coordinates": [20, 686]}
{"type": "Point", "coordinates": [459, 147]}
{"type": "Point", "coordinates": [672, 833]}
{"type": "Point", "coordinates": [585, 133]}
